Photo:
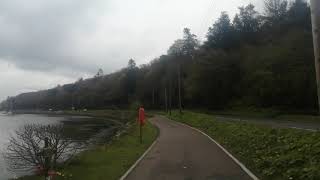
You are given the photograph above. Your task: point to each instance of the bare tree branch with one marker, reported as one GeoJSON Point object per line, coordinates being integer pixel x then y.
{"type": "Point", "coordinates": [26, 149]}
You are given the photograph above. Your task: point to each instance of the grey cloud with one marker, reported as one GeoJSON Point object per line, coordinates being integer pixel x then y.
{"type": "Point", "coordinates": [35, 34]}
{"type": "Point", "coordinates": [82, 35]}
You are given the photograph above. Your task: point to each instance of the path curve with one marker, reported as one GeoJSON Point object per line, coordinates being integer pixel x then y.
{"type": "Point", "coordinates": [182, 153]}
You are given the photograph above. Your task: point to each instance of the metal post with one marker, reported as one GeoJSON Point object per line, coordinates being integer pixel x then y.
{"type": "Point", "coordinates": [140, 133]}
{"type": "Point", "coordinates": [315, 17]}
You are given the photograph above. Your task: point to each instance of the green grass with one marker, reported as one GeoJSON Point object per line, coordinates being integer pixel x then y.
{"type": "Point", "coordinates": [299, 118]}
{"type": "Point", "coordinates": [249, 112]}
{"type": "Point", "coordinates": [109, 161]}
{"type": "Point", "coordinates": [266, 114]}
{"type": "Point", "coordinates": [270, 153]}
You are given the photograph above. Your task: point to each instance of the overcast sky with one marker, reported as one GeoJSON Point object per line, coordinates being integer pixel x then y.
{"type": "Point", "coordinates": [44, 43]}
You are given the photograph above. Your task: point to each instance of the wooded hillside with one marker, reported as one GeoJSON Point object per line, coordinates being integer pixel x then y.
{"type": "Point", "coordinates": [253, 59]}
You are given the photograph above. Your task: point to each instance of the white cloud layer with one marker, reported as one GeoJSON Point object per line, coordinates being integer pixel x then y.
{"type": "Point", "coordinates": [45, 43]}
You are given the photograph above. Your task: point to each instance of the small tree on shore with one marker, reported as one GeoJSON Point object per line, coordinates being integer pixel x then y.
{"type": "Point", "coordinates": [39, 148]}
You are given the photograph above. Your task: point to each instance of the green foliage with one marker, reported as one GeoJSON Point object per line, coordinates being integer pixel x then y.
{"type": "Point", "coordinates": [205, 86]}
{"type": "Point", "coordinates": [221, 34]}
{"type": "Point", "coordinates": [185, 46]}
{"type": "Point", "coordinates": [134, 106]}
{"type": "Point", "coordinates": [270, 153]}
{"type": "Point", "coordinates": [275, 11]}
{"type": "Point", "coordinates": [247, 25]}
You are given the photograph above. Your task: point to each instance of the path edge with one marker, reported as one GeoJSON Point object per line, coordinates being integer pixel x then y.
{"type": "Point", "coordinates": [125, 175]}
{"type": "Point", "coordinates": [242, 166]}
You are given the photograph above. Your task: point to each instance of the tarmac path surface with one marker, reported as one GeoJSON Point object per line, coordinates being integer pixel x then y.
{"type": "Point", "coordinates": [182, 153]}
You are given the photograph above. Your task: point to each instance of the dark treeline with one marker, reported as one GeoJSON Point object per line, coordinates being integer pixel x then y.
{"type": "Point", "coordinates": [254, 59]}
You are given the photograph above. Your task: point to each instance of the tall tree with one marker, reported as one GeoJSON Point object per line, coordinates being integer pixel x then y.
{"type": "Point", "coordinates": [185, 46]}
{"type": "Point", "coordinates": [176, 48]}
{"type": "Point", "coordinates": [247, 23]}
{"type": "Point", "coordinates": [221, 34]}
{"type": "Point", "coordinates": [99, 73]}
{"type": "Point", "coordinates": [299, 14]}
{"type": "Point", "coordinates": [131, 64]}
{"type": "Point", "coordinates": [131, 79]}
{"type": "Point", "coordinates": [190, 42]}
{"type": "Point", "coordinates": [275, 11]}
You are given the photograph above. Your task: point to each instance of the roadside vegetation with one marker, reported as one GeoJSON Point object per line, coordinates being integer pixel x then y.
{"type": "Point", "coordinates": [109, 160]}
{"type": "Point", "coordinates": [270, 153]}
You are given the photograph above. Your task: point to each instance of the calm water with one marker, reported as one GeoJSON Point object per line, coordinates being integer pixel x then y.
{"type": "Point", "coordinates": [10, 123]}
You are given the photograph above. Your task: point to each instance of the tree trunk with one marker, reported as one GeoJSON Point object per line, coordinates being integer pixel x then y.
{"type": "Point", "coordinates": [152, 97]}
{"type": "Point", "coordinates": [166, 99]}
{"type": "Point", "coordinates": [179, 87]}
{"type": "Point", "coordinates": [170, 96]}
{"type": "Point", "coordinates": [315, 15]}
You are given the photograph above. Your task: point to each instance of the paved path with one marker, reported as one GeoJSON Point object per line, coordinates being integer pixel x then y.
{"type": "Point", "coordinates": [182, 153]}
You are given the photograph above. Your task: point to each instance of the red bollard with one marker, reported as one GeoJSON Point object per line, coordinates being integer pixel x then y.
{"type": "Point", "coordinates": [141, 116]}
{"type": "Point", "coordinates": [39, 170]}
{"type": "Point", "coordinates": [141, 121]}
{"type": "Point", "coordinates": [51, 174]}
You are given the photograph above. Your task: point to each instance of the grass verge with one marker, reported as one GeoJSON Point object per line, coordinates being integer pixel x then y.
{"type": "Point", "coordinates": [109, 161]}
{"type": "Point", "coordinates": [270, 153]}
{"type": "Point", "coordinates": [270, 114]}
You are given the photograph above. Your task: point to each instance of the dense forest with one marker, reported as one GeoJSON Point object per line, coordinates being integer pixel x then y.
{"type": "Point", "coordinates": [254, 59]}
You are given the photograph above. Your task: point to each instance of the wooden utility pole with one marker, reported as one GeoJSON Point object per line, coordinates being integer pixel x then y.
{"type": "Point", "coordinates": [315, 17]}
{"type": "Point", "coordinates": [179, 87]}
{"type": "Point", "coordinates": [170, 96]}
{"type": "Point", "coordinates": [152, 97]}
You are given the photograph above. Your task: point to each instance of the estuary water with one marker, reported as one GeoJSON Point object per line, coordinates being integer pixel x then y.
{"type": "Point", "coordinates": [79, 126]}
{"type": "Point", "coordinates": [9, 124]}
